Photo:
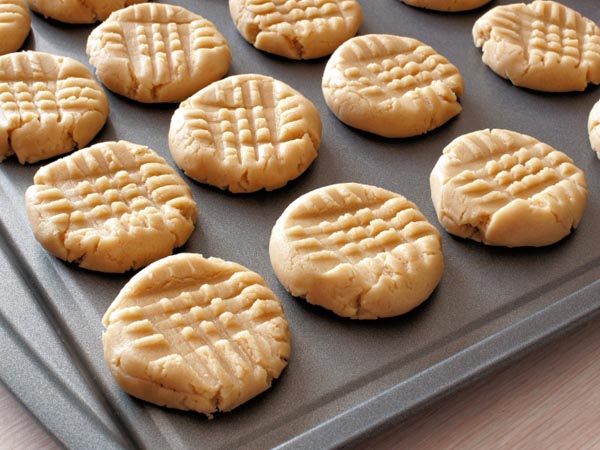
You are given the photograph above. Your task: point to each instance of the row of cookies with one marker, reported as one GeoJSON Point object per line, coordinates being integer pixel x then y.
{"type": "Point", "coordinates": [234, 152]}
{"type": "Point", "coordinates": [53, 104]}
{"type": "Point", "coordinates": [360, 251]}
{"type": "Point", "coordinates": [147, 336]}
{"type": "Point", "coordinates": [117, 206]}
{"type": "Point", "coordinates": [389, 85]}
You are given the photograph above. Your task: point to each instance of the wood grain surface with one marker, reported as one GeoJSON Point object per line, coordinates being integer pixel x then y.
{"type": "Point", "coordinates": [549, 399]}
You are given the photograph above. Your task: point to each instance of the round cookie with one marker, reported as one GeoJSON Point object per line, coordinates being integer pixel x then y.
{"type": "Point", "coordinates": [49, 105]}
{"type": "Point", "coordinates": [156, 53]}
{"type": "Point", "coordinates": [296, 29]}
{"type": "Point", "coordinates": [360, 251]}
{"type": "Point", "coordinates": [447, 5]}
{"type": "Point", "coordinates": [111, 207]}
{"type": "Point", "coordinates": [504, 188]}
{"type": "Point", "coordinates": [15, 23]}
{"type": "Point", "coordinates": [542, 45]}
{"type": "Point", "coordinates": [77, 11]}
{"type": "Point", "coordinates": [594, 127]}
{"type": "Point", "coordinates": [196, 334]}
{"type": "Point", "coordinates": [392, 86]}
{"type": "Point", "coordinates": [245, 133]}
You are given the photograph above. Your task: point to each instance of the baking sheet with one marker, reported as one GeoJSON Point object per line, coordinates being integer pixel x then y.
{"type": "Point", "coordinates": [345, 378]}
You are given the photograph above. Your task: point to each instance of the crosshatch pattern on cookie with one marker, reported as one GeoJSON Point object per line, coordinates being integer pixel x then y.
{"type": "Point", "coordinates": [111, 192]}
{"type": "Point", "coordinates": [259, 131]}
{"type": "Point", "coordinates": [486, 171]}
{"type": "Point", "coordinates": [375, 70]}
{"type": "Point", "coordinates": [549, 36]}
{"type": "Point", "coordinates": [361, 251]}
{"type": "Point", "coordinates": [49, 104]}
{"type": "Point", "coordinates": [346, 226]}
{"type": "Point", "coordinates": [296, 22]}
{"type": "Point", "coordinates": [500, 169]}
{"type": "Point", "coordinates": [165, 50]}
{"type": "Point", "coordinates": [391, 85]}
{"type": "Point", "coordinates": [209, 331]}
{"type": "Point", "coordinates": [15, 24]}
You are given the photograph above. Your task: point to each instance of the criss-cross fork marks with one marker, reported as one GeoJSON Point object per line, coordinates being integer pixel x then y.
{"type": "Point", "coordinates": [103, 185]}
{"type": "Point", "coordinates": [246, 123]}
{"type": "Point", "coordinates": [380, 69]}
{"type": "Point", "coordinates": [548, 32]}
{"type": "Point", "coordinates": [273, 14]}
{"type": "Point", "coordinates": [31, 90]}
{"type": "Point", "coordinates": [10, 12]}
{"type": "Point", "coordinates": [24, 102]}
{"type": "Point", "coordinates": [163, 46]}
{"type": "Point", "coordinates": [216, 327]}
{"type": "Point", "coordinates": [363, 232]}
{"type": "Point", "coordinates": [498, 171]}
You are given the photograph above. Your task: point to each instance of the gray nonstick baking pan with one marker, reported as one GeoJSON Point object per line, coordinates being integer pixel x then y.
{"type": "Point", "coordinates": [345, 378]}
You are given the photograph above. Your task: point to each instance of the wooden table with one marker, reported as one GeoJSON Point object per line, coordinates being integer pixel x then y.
{"type": "Point", "coordinates": [550, 399]}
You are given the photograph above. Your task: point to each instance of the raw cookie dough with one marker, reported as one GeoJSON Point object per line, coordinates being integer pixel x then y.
{"type": "Point", "coordinates": [447, 5]}
{"type": "Point", "coordinates": [296, 29]}
{"type": "Point", "coordinates": [594, 127]}
{"type": "Point", "coordinates": [392, 86]}
{"type": "Point", "coordinates": [15, 23]}
{"type": "Point", "coordinates": [111, 207]}
{"type": "Point", "coordinates": [157, 53]}
{"type": "Point", "coordinates": [542, 45]}
{"type": "Point", "coordinates": [360, 251]}
{"type": "Point", "coordinates": [245, 133]}
{"type": "Point", "coordinates": [196, 334]}
{"type": "Point", "coordinates": [504, 188]}
{"type": "Point", "coordinates": [79, 11]}
{"type": "Point", "coordinates": [49, 105]}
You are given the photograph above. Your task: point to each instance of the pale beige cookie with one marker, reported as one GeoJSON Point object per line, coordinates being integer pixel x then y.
{"type": "Point", "coordinates": [296, 29]}
{"type": "Point", "coordinates": [447, 5]}
{"type": "Point", "coordinates": [157, 53]}
{"type": "Point", "coordinates": [245, 133]}
{"type": "Point", "coordinates": [15, 23]}
{"type": "Point", "coordinates": [392, 86]}
{"type": "Point", "coordinates": [594, 127]}
{"type": "Point", "coordinates": [542, 45]}
{"type": "Point", "coordinates": [49, 105]}
{"type": "Point", "coordinates": [357, 250]}
{"type": "Point", "coordinates": [196, 334]}
{"type": "Point", "coordinates": [111, 207]}
{"type": "Point", "coordinates": [79, 11]}
{"type": "Point", "coordinates": [504, 188]}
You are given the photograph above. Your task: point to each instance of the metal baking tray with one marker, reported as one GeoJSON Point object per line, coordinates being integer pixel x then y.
{"type": "Point", "coordinates": [345, 379]}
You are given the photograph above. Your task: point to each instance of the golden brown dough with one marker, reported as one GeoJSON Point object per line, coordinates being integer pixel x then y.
{"type": "Point", "coordinates": [447, 5]}
{"type": "Point", "coordinates": [156, 53]}
{"type": "Point", "coordinates": [197, 334]}
{"type": "Point", "coordinates": [49, 105]}
{"type": "Point", "coordinates": [505, 188]}
{"type": "Point", "coordinates": [296, 29]}
{"type": "Point", "coordinates": [542, 45]}
{"type": "Point", "coordinates": [245, 133]}
{"type": "Point", "coordinates": [392, 86]}
{"type": "Point", "coordinates": [15, 23]}
{"type": "Point", "coordinates": [360, 251]}
{"type": "Point", "coordinates": [111, 207]}
{"type": "Point", "coordinates": [79, 11]}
